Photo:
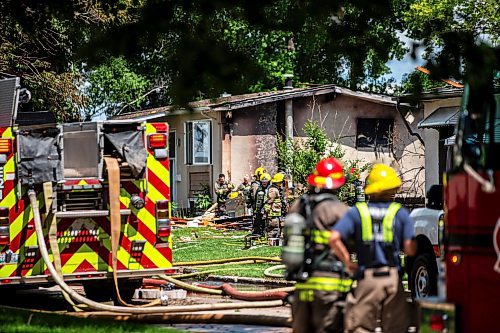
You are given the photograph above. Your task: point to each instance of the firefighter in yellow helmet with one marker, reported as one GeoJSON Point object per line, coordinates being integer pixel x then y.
{"type": "Point", "coordinates": [380, 229]}
{"type": "Point", "coordinates": [259, 191]}
{"type": "Point", "coordinates": [222, 189]}
{"type": "Point", "coordinates": [275, 205]}
{"type": "Point", "coordinates": [322, 285]}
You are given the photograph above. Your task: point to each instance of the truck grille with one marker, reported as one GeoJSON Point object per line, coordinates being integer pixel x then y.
{"type": "Point", "coordinates": [80, 200]}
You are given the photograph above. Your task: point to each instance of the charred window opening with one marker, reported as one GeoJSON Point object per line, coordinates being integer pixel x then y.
{"type": "Point", "coordinates": [374, 134]}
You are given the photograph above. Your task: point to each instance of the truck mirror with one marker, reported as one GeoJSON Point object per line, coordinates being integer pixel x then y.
{"type": "Point", "coordinates": [435, 197]}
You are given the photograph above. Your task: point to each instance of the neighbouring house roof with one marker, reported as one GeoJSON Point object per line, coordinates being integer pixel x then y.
{"type": "Point", "coordinates": [443, 116]}
{"type": "Point", "coordinates": [248, 100]}
{"type": "Point", "coordinates": [441, 93]}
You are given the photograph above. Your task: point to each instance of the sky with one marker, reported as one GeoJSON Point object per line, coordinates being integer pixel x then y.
{"type": "Point", "coordinates": [407, 64]}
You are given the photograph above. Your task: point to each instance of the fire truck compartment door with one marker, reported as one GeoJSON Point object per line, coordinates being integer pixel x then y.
{"type": "Point", "coordinates": [130, 145]}
{"type": "Point", "coordinates": [39, 156]}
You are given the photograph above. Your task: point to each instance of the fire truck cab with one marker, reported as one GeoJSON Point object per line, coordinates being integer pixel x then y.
{"type": "Point", "coordinates": [73, 167]}
{"type": "Point", "coordinates": [469, 288]}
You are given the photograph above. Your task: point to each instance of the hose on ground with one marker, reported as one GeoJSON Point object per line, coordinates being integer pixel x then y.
{"type": "Point", "coordinates": [181, 284]}
{"type": "Point", "coordinates": [225, 289]}
{"type": "Point", "coordinates": [194, 318]}
{"type": "Point", "coordinates": [209, 271]}
{"type": "Point", "coordinates": [123, 309]}
{"type": "Point", "coordinates": [267, 271]}
{"type": "Point", "coordinates": [222, 261]}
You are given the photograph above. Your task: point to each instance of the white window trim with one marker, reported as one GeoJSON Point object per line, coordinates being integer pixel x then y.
{"type": "Point", "coordinates": [186, 143]}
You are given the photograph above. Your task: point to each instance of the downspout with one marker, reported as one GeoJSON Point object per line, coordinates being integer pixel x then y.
{"type": "Point", "coordinates": [289, 120]}
{"type": "Point", "coordinates": [408, 125]}
{"type": "Point", "coordinates": [288, 109]}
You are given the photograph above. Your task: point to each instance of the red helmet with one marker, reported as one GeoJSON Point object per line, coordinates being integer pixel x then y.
{"type": "Point", "coordinates": [328, 174]}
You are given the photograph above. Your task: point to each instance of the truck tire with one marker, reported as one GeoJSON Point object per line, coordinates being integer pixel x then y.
{"type": "Point", "coordinates": [423, 277]}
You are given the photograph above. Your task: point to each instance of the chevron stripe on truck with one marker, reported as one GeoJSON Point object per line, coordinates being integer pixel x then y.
{"type": "Point", "coordinates": [81, 210]}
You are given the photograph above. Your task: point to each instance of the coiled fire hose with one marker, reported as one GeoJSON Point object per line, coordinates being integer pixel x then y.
{"type": "Point", "coordinates": [124, 309]}
{"type": "Point", "coordinates": [267, 271]}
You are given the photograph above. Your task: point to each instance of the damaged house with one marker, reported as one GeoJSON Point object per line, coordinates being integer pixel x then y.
{"type": "Point", "coordinates": [236, 134]}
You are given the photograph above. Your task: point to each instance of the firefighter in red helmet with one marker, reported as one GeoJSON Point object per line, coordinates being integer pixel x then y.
{"type": "Point", "coordinates": [321, 281]}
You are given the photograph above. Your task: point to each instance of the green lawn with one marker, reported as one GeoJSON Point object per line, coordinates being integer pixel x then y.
{"type": "Point", "coordinates": [199, 244]}
{"type": "Point", "coordinates": [17, 321]}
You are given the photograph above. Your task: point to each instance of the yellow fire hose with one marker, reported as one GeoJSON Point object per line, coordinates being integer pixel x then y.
{"type": "Point", "coordinates": [124, 309]}
{"type": "Point", "coordinates": [115, 218]}
{"type": "Point", "coordinates": [222, 261]}
{"type": "Point", "coordinates": [51, 219]}
{"type": "Point", "coordinates": [190, 287]}
{"type": "Point", "coordinates": [267, 271]}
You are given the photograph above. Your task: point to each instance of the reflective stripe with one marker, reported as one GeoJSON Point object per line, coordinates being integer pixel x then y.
{"type": "Point", "coordinates": [387, 222]}
{"type": "Point", "coordinates": [321, 237]}
{"type": "Point", "coordinates": [366, 221]}
{"type": "Point", "coordinates": [306, 295]}
{"type": "Point", "coordinates": [325, 284]}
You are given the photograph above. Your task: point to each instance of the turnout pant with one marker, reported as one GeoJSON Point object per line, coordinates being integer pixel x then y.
{"type": "Point", "coordinates": [318, 303]}
{"type": "Point", "coordinates": [379, 296]}
{"type": "Point", "coordinates": [273, 227]}
{"type": "Point", "coordinates": [258, 224]}
{"type": "Point", "coordinates": [318, 311]}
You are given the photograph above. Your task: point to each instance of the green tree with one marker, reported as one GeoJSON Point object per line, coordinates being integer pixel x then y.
{"type": "Point", "coordinates": [417, 82]}
{"type": "Point", "coordinates": [299, 157]}
{"type": "Point", "coordinates": [112, 87]}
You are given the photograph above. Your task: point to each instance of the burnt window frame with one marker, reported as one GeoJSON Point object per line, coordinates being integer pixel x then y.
{"type": "Point", "coordinates": [378, 146]}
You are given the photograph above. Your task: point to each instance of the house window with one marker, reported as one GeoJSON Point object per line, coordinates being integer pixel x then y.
{"type": "Point", "coordinates": [374, 134]}
{"type": "Point", "coordinates": [198, 142]}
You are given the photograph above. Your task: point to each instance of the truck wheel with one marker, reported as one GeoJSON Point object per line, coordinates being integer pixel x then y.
{"type": "Point", "coordinates": [423, 277]}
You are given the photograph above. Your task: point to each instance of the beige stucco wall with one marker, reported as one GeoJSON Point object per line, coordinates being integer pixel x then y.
{"type": "Point", "coordinates": [431, 138]}
{"type": "Point", "coordinates": [176, 123]}
{"type": "Point", "coordinates": [339, 118]}
{"type": "Point", "coordinates": [253, 139]}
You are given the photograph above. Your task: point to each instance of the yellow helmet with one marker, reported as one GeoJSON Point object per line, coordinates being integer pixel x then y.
{"type": "Point", "coordinates": [381, 178]}
{"type": "Point", "coordinates": [265, 176]}
{"type": "Point", "coordinates": [259, 171]}
{"type": "Point", "coordinates": [278, 178]}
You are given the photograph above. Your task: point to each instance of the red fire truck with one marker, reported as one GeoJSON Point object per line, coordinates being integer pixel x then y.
{"type": "Point", "coordinates": [73, 167]}
{"type": "Point", "coordinates": [469, 290]}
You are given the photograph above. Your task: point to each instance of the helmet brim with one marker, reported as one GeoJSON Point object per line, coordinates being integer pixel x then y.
{"type": "Point", "coordinates": [325, 182]}
{"type": "Point", "coordinates": [380, 187]}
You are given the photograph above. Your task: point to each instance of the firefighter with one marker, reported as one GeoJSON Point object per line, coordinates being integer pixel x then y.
{"type": "Point", "coordinates": [222, 190]}
{"type": "Point", "coordinates": [258, 205]}
{"type": "Point", "coordinates": [246, 189]}
{"type": "Point", "coordinates": [321, 281]}
{"type": "Point", "coordinates": [274, 206]}
{"type": "Point", "coordinates": [380, 229]}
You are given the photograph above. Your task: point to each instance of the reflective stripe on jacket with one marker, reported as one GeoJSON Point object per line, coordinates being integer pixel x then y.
{"type": "Point", "coordinates": [389, 215]}
{"type": "Point", "coordinates": [324, 283]}
{"type": "Point", "coordinates": [321, 236]}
